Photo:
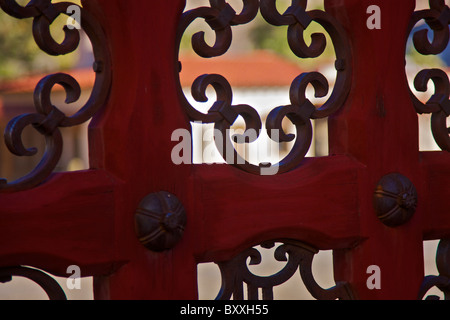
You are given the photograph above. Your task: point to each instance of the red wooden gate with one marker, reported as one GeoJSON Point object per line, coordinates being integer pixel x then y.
{"type": "Point", "coordinates": [374, 200]}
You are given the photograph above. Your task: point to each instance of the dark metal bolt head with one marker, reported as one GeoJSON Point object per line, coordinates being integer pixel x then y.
{"type": "Point", "coordinates": [98, 66]}
{"type": "Point", "coordinates": [160, 221]}
{"type": "Point", "coordinates": [408, 201]}
{"type": "Point", "coordinates": [395, 200]}
{"type": "Point", "coordinates": [170, 221]}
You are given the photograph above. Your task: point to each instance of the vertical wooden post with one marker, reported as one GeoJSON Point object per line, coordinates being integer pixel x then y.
{"type": "Point", "coordinates": [378, 127]}
{"type": "Point", "coordinates": [132, 140]}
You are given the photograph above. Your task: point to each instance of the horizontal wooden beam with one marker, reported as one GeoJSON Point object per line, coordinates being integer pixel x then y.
{"type": "Point", "coordinates": [437, 174]}
{"type": "Point", "coordinates": [70, 219]}
{"type": "Point", "coordinates": [316, 203]}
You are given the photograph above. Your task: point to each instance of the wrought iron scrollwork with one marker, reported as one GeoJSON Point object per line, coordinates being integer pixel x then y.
{"type": "Point", "coordinates": [438, 19]}
{"type": "Point", "coordinates": [221, 17]}
{"type": "Point", "coordinates": [47, 283]}
{"type": "Point", "coordinates": [297, 256]}
{"type": "Point", "coordinates": [442, 281]}
{"type": "Point", "coordinates": [48, 118]}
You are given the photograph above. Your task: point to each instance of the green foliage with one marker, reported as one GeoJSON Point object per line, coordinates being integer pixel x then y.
{"type": "Point", "coordinates": [430, 61]}
{"type": "Point", "coordinates": [17, 47]}
{"type": "Point", "coordinates": [267, 37]}
{"type": "Point", "coordinates": [19, 54]}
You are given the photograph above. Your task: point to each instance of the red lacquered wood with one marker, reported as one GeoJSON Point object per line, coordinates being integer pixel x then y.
{"type": "Point", "coordinates": [317, 204]}
{"type": "Point", "coordinates": [67, 220]}
{"type": "Point", "coordinates": [437, 178]}
{"type": "Point", "coordinates": [87, 218]}
{"type": "Point", "coordinates": [378, 126]}
{"type": "Point", "coordinates": [132, 140]}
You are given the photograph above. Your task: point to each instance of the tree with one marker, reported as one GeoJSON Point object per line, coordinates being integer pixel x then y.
{"type": "Point", "coordinates": [19, 54]}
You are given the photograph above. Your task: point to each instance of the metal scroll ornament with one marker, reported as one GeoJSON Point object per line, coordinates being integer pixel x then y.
{"type": "Point", "coordinates": [297, 256]}
{"type": "Point", "coordinates": [48, 118]}
{"type": "Point", "coordinates": [438, 19]}
{"type": "Point", "coordinates": [221, 18]}
{"type": "Point", "coordinates": [47, 283]}
{"type": "Point", "coordinates": [442, 281]}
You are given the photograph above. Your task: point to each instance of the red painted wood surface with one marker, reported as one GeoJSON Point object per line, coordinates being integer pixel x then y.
{"type": "Point", "coordinates": [68, 220]}
{"type": "Point", "coordinates": [379, 128]}
{"type": "Point", "coordinates": [317, 204]}
{"type": "Point", "coordinates": [436, 177]}
{"type": "Point", "coordinates": [87, 218]}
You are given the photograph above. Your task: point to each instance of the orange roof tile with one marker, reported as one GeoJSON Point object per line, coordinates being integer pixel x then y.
{"type": "Point", "coordinates": [255, 69]}
{"type": "Point", "coordinates": [85, 78]}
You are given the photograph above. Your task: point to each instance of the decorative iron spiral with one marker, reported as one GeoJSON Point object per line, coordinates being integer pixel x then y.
{"type": "Point", "coordinates": [48, 118]}
{"type": "Point", "coordinates": [442, 281]}
{"type": "Point", "coordinates": [438, 19]}
{"type": "Point", "coordinates": [297, 256]}
{"type": "Point", "coordinates": [221, 17]}
{"type": "Point", "coordinates": [47, 283]}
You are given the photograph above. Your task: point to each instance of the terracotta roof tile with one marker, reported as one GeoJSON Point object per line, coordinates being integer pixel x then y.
{"type": "Point", "coordinates": [85, 78]}
{"type": "Point", "coordinates": [256, 69]}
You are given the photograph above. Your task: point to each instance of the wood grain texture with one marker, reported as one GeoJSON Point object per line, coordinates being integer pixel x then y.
{"type": "Point", "coordinates": [132, 140]}
{"type": "Point", "coordinates": [87, 218]}
{"type": "Point", "coordinates": [437, 179]}
{"type": "Point", "coordinates": [67, 220]}
{"type": "Point", "coordinates": [316, 203]}
{"type": "Point", "coordinates": [378, 127]}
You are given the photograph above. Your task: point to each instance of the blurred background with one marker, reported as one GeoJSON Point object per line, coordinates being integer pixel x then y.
{"type": "Point", "coordinates": [260, 68]}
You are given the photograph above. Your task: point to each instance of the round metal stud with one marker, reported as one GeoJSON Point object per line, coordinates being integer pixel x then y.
{"type": "Point", "coordinates": [160, 221]}
{"type": "Point", "coordinates": [395, 200]}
